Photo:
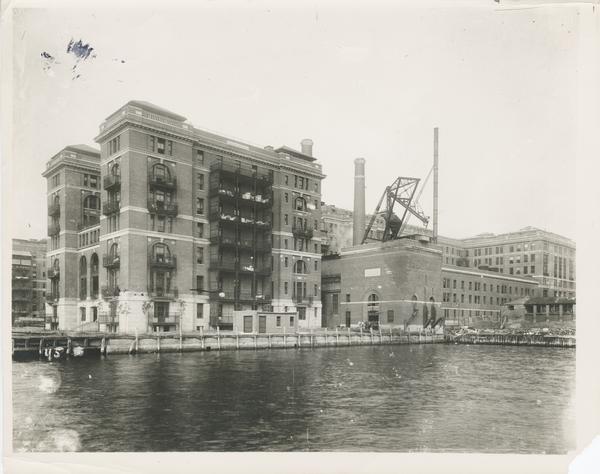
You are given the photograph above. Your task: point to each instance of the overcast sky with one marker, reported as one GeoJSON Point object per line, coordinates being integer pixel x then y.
{"type": "Point", "coordinates": [500, 84]}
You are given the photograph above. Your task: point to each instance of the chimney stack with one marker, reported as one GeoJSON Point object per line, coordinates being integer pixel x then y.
{"type": "Point", "coordinates": [359, 201]}
{"type": "Point", "coordinates": [307, 145]}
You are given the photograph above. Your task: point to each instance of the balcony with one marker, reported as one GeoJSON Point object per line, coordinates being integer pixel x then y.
{"type": "Point", "coordinates": [111, 261]}
{"type": "Point", "coordinates": [110, 291]}
{"type": "Point", "coordinates": [92, 220]}
{"type": "Point", "coordinates": [162, 208]}
{"type": "Point", "coordinates": [170, 320]}
{"type": "Point", "coordinates": [163, 261]}
{"type": "Point", "coordinates": [53, 273]}
{"type": "Point", "coordinates": [108, 318]}
{"type": "Point", "coordinates": [54, 209]}
{"type": "Point", "coordinates": [162, 293]}
{"type": "Point", "coordinates": [305, 300]}
{"type": "Point", "coordinates": [111, 207]}
{"type": "Point", "coordinates": [260, 176]}
{"type": "Point", "coordinates": [112, 181]}
{"type": "Point", "coordinates": [302, 232]}
{"type": "Point", "coordinates": [162, 182]}
{"type": "Point", "coordinates": [53, 229]}
{"type": "Point", "coordinates": [51, 319]}
{"type": "Point", "coordinates": [259, 199]}
{"type": "Point", "coordinates": [52, 298]}
{"type": "Point", "coordinates": [244, 297]}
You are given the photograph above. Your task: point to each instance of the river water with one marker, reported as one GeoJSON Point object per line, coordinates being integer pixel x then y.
{"type": "Point", "coordinates": [436, 398]}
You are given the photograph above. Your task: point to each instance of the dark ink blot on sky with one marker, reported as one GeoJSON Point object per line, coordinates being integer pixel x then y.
{"type": "Point", "coordinates": [80, 50]}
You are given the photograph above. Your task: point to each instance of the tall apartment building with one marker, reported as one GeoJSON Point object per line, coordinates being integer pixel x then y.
{"type": "Point", "coordinates": [28, 282]}
{"type": "Point", "coordinates": [179, 227]}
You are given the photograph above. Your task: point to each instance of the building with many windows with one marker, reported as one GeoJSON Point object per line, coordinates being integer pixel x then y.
{"type": "Point", "coordinates": [28, 282]}
{"type": "Point", "coordinates": [490, 270]}
{"type": "Point", "coordinates": [171, 228]}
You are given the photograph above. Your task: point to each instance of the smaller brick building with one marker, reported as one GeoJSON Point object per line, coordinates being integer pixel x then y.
{"type": "Point", "coordinates": [391, 284]}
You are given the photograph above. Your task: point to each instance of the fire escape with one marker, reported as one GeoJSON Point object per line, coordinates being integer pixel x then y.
{"type": "Point", "coordinates": [240, 209]}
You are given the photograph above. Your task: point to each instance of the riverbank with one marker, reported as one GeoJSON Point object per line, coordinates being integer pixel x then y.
{"type": "Point", "coordinates": [58, 345]}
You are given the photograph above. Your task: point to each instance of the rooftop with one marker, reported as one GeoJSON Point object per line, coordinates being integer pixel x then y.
{"type": "Point", "coordinates": [155, 108]}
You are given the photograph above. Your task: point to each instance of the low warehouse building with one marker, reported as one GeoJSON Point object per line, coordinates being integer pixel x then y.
{"type": "Point", "coordinates": [393, 284]}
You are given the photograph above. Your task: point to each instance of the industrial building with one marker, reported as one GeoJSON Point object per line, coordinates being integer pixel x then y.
{"type": "Point", "coordinates": [28, 282]}
{"type": "Point", "coordinates": [172, 228]}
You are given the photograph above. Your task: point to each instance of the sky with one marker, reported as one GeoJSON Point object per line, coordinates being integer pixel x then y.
{"type": "Point", "coordinates": [364, 81]}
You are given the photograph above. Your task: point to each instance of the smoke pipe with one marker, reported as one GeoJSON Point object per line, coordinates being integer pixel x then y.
{"type": "Point", "coordinates": [358, 229]}
{"type": "Point", "coordinates": [435, 184]}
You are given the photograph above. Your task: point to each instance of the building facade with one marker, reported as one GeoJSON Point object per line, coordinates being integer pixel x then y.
{"type": "Point", "coordinates": [28, 282]}
{"type": "Point", "coordinates": [171, 228]}
{"type": "Point", "coordinates": [394, 284]}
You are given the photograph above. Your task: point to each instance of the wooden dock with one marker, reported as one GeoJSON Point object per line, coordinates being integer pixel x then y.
{"type": "Point", "coordinates": [513, 340]}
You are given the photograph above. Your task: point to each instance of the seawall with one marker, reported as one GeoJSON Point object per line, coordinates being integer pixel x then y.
{"type": "Point", "coordinates": [513, 340]}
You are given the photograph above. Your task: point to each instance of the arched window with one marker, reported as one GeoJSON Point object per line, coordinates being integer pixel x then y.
{"type": "Point", "coordinates": [373, 303]}
{"type": "Point", "coordinates": [82, 278]}
{"type": "Point", "coordinates": [94, 267]}
{"type": "Point", "coordinates": [300, 204]}
{"type": "Point", "coordinates": [300, 267]}
{"type": "Point", "coordinates": [57, 199]}
{"type": "Point", "coordinates": [56, 265]}
{"type": "Point", "coordinates": [161, 172]}
{"type": "Point", "coordinates": [91, 202]}
{"type": "Point", "coordinates": [432, 309]}
{"type": "Point", "coordinates": [161, 253]}
{"type": "Point", "coordinates": [115, 170]}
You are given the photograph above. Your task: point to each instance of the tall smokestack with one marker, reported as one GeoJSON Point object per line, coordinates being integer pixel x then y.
{"type": "Point", "coordinates": [435, 184]}
{"type": "Point", "coordinates": [359, 201]}
{"type": "Point", "coordinates": [306, 146]}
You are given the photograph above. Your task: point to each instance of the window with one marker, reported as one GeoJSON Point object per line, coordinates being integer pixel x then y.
{"type": "Point", "coordinates": [200, 181]}
{"type": "Point", "coordinates": [300, 267]}
{"type": "Point", "coordinates": [200, 255]}
{"type": "Point", "coordinates": [199, 229]}
{"type": "Point", "coordinates": [200, 157]}
{"type": "Point", "coordinates": [286, 179]}
{"type": "Point", "coordinates": [390, 316]}
{"type": "Point", "coordinates": [316, 265]}
{"type": "Point", "coordinates": [285, 219]}
{"type": "Point", "coordinates": [199, 310]}
{"type": "Point", "coordinates": [86, 178]}
{"type": "Point", "coordinates": [114, 145]}
{"type": "Point", "coordinates": [335, 303]}
{"type": "Point", "coordinates": [285, 287]}
{"type": "Point", "coordinates": [300, 204]}
{"type": "Point", "coordinates": [285, 243]}
{"type": "Point", "coordinates": [286, 197]}
{"type": "Point", "coordinates": [278, 321]}
{"type": "Point", "coordinates": [316, 288]}
{"type": "Point", "coordinates": [82, 312]}
{"type": "Point", "coordinates": [316, 248]}
{"type": "Point", "coordinates": [285, 262]}
{"type": "Point", "coordinates": [291, 321]}
{"type": "Point", "coordinates": [199, 283]}
{"type": "Point", "coordinates": [160, 146]}
{"type": "Point", "coordinates": [199, 206]}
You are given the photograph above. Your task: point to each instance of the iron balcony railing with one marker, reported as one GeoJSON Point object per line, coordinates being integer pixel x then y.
{"type": "Point", "coordinates": [91, 222]}
{"type": "Point", "coordinates": [302, 232]}
{"type": "Point", "coordinates": [110, 207]}
{"type": "Point", "coordinates": [259, 175]}
{"type": "Point", "coordinates": [166, 293]}
{"type": "Point", "coordinates": [110, 291]}
{"type": "Point", "coordinates": [167, 320]}
{"type": "Point", "coordinates": [52, 298]}
{"type": "Point", "coordinates": [111, 261]}
{"type": "Point", "coordinates": [163, 182]}
{"type": "Point", "coordinates": [163, 261]}
{"type": "Point", "coordinates": [53, 229]}
{"type": "Point", "coordinates": [243, 296]}
{"type": "Point", "coordinates": [260, 199]}
{"type": "Point", "coordinates": [112, 180]}
{"type": "Point", "coordinates": [54, 209]}
{"type": "Point", "coordinates": [309, 300]}
{"type": "Point", "coordinates": [162, 208]}
{"type": "Point", "coordinates": [108, 318]}
{"type": "Point", "coordinates": [53, 273]}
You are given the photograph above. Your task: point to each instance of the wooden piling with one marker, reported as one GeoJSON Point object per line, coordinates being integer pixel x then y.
{"type": "Point", "coordinates": [237, 341]}
{"type": "Point", "coordinates": [158, 344]}
{"type": "Point", "coordinates": [337, 337]}
{"type": "Point", "coordinates": [41, 345]}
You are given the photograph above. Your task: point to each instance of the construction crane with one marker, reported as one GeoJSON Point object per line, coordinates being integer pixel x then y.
{"type": "Point", "coordinates": [401, 191]}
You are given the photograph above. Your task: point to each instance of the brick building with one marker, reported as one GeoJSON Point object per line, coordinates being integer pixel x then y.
{"type": "Point", "coordinates": [28, 282]}
{"type": "Point", "coordinates": [171, 228]}
{"type": "Point", "coordinates": [393, 284]}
